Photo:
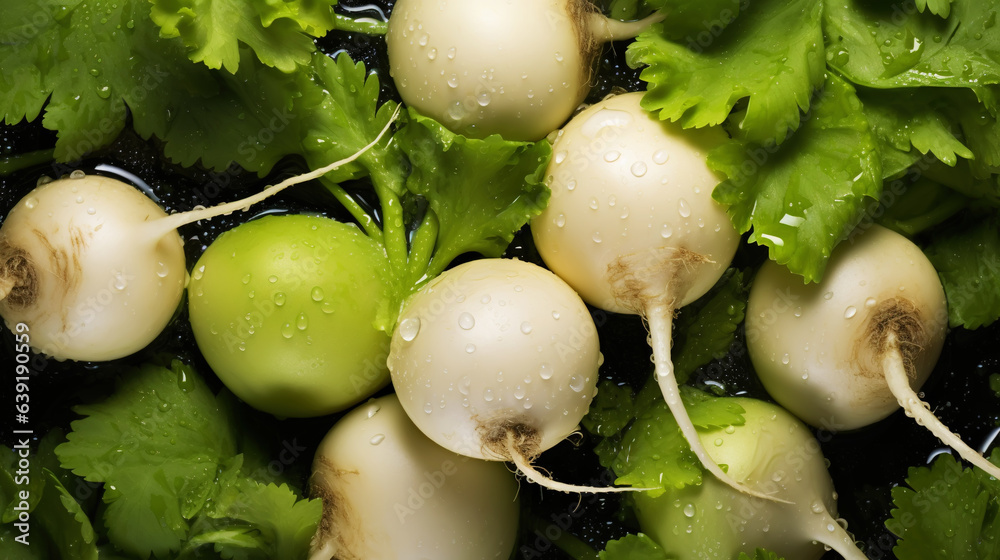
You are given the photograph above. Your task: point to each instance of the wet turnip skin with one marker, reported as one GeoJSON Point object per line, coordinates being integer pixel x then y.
{"type": "Point", "coordinates": [804, 338]}
{"type": "Point", "coordinates": [392, 494]}
{"type": "Point", "coordinates": [512, 67]}
{"type": "Point", "coordinates": [494, 341]}
{"type": "Point", "coordinates": [103, 282]}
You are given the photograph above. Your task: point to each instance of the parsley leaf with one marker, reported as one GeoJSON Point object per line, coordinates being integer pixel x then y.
{"type": "Point", "coordinates": [481, 191]}
{"type": "Point", "coordinates": [633, 547]}
{"type": "Point", "coordinates": [279, 33]}
{"type": "Point", "coordinates": [59, 527]}
{"type": "Point", "coordinates": [967, 258]}
{"type": "Point", "coordinates": [705, 329]}
{"type": "Point", "coordinates": [947, 513]}
{"type": "Point", "coordinates": [165, 448]}
{"type": "Point", "coordinates": [937, 7]}
{"type": "Point", "coordinates": [878, 44]}
{"type": "Point", "coordinates": [652, 452]}
{"type": "Point", "coordinates": [772, 54]}
{"type": "Point", "coordinates": [917, 118]}
{"type": "Point", "coordinates": [804, 197]}
{"type": "Point", "coordinates": [158, 448]}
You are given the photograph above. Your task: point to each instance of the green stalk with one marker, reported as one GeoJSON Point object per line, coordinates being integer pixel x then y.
{"type": "Point", "coordinates": [11, 164]}
{"type": "Point", "coordinates": [367, 26]}
{"type": "Point", "coordinates": [357, 212]}
{"type": "Point", "coordinates": [393, 225]}
{"type": "Point", "coordinates": [422, 247]}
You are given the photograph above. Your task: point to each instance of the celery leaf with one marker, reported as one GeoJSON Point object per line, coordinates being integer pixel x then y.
{"type": "Point", "coordinates": [633, 547]}
{"type": "Point", "coordinates": [481, 191]}
{"type": "Point", "coordinates": [771, 55]}
{"type": "Point", "coordinates": [804, 197]}
{"type": "Point", "coordinates": [947, 513]}
{"type": "Point", "coordinates": [279, 33]}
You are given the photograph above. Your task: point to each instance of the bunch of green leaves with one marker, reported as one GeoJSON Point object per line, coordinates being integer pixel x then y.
{"type": "Point", "coordinates": [57, 505]}
{"type": "Point", "coordinates": [179, 479]}
{"type": "Point", "coordinates": [252, 92]}
{"type": "Point", "coordinates": [947, 512]}
{"type": "Point", "coordinates": [640, 439]}
{"type": "Point", "coordinates": [842, 113]}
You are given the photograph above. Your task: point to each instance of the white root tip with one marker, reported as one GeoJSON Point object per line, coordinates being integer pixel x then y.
{"type": "Point", "coordinates": [605, 29]}
{"type": "Point", "coordinates": [531, 473]}
{"type": "Point", "coordinates": [833, 535]}
{"type": "Point", "coordinates": [899, 383]}
{"type": "Point", "coordinates": [659, 319]}
{"type": "Point", "coordinates": [174, 221]}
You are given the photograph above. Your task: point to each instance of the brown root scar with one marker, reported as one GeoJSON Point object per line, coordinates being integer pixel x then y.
{"type": "Point", "coordinates": [494, 434]}
{"type": "Point", "coordinates": [901, 318]}
{"type": "Point", "coordinates": [338, 517]}
{"type": "Point", "coordinates": [19, 276]}
{"type": "Point", "coordinates": [637, 279]}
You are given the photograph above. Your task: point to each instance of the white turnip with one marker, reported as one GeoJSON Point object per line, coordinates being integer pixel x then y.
{"type": "Point", "coordinates": [517, 68]}
{"type": "Point", "coordinates": [390, 493]}
{"type": "Point", "coordinates": [96, 269]}
{"type": "Point", "coordinates": [850, 350]}
{"type": "Point", "coordinates": [631, 224]}
{"type": "Point", "coordinates": [496, 359]}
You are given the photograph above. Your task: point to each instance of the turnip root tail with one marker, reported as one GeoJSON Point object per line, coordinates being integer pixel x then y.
{"type": "Point", "coordinates": [175, 221]}
{"type": "Point", "coordinates": [523, 464]}
{"type": "Point", "coordinates": [604, 29]}
{"type": "Point", "coordinates": [659, 318]}
{"type": "Point", "coordinates": [519, 443]}
{"type": "Point", "coordinates": [833, 535]}
{"type": "Point", "coordinates": [894, 366]}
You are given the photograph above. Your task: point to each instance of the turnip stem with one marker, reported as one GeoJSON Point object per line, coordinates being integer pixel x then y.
{"type": "Point", "coordinates": [357, 212]}
{"type": "Point", "coordinates": [833, 535]}
{"type": "Point", "coordinates": [605, 29]}
{"type": "Point", "coordinates": [175, 221]}
{"type": "Point", "coordinates": [659, 318]}
{"type": "Point", "coordinates": [524, 467]}
{"type": "Point", "coordinates": [367, 26]}
{"type": "Point", "coordinates": [422, 247]}
{"type": "Point", "coordinates": [896, 377]}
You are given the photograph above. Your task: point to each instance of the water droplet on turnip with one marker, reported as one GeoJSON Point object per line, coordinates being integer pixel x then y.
{"type": "Point", "coordinates": [466, 321]}
{"type": "Point", "coordinates": [408, 328]}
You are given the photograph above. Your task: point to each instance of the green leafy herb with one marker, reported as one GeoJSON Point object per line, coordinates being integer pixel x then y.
{"type": "Point", "coordinates": [480, 191]}
{"type": "Point", "coordinates": [947, 512]}
{"type": "Point", "coordinates": [165, 449]}
{"type": "Point", "coordinates": [705, 329]}
{"type": "Point", "coordinates": [633, 547]}
{"type": "Point", "coordinates": [58, 527]}
{"type": "Point", "coordinates": [279, 33]}
{"type": "Point", "coordinates": [804, 197]}
{"type": "Point", "coordinates": [884, 45]}
{"type": "Point", "coordinates": [772, 55]}
{"type": "Point", "coordinates": [967, 258]}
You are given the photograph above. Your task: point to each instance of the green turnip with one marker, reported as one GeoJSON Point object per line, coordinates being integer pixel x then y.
{"type": "Point", "coordinates": [774, 454]}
